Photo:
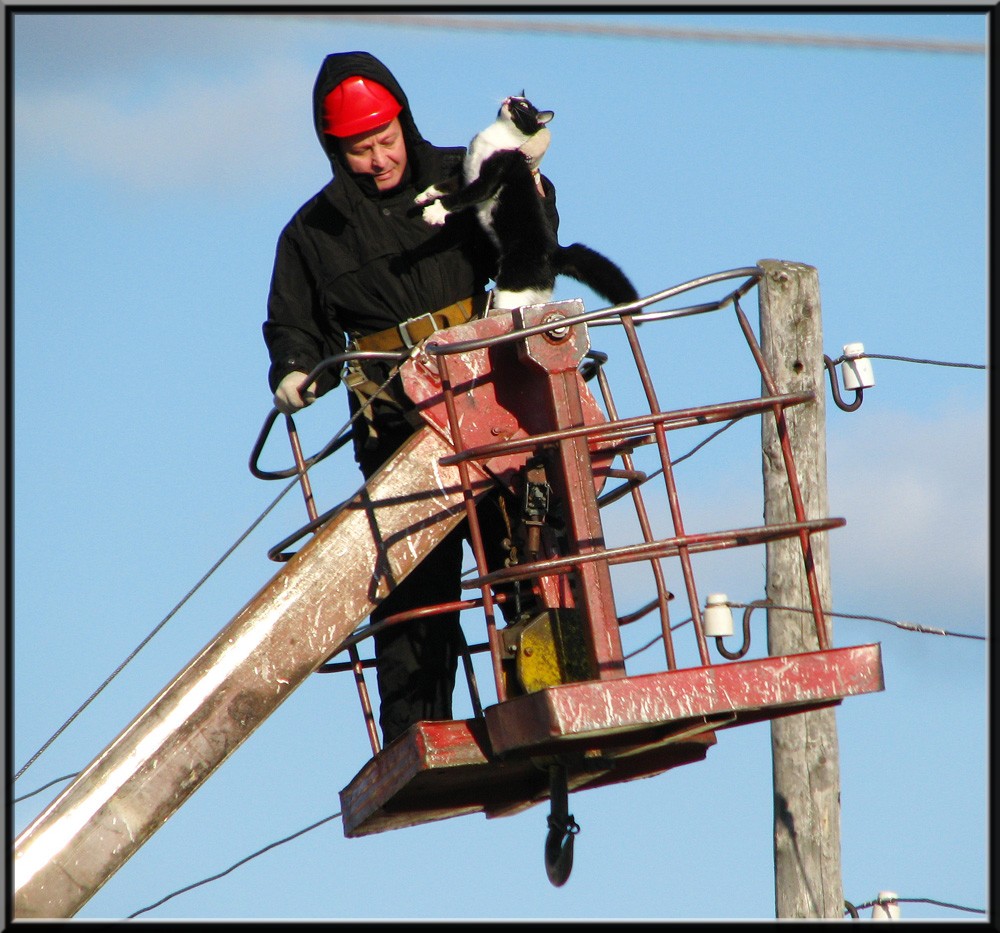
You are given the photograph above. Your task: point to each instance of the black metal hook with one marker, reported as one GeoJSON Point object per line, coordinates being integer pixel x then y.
{"type": "Point", "coordinates": [745, 647]}
{"type": "Point", "coordinates": [859, 392]}
{"type": "Point", "coordinates": [562, 828]}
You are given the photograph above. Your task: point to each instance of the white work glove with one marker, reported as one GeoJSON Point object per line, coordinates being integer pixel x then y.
{"type": "Point", "coordinates": [288, 398]}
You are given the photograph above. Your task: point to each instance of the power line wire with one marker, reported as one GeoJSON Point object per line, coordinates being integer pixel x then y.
{"type": "Point", "coordinates": [910, 359]}
{"type": "Point", "coordinates": [906, 626]}
{"type": "Point", "coordinates": [853, 908]}
{"type": "Point", "coordinates": [928, 900]}
{"type": "Point", "coordinates": [142, 644]}
{"type": "Point", "coordinates": [65, 777]}
{"type": "Point", "coordinates": [666, 33]}
{"type": "Point", "coordinates": [236, 865]}
{"type": "Point", "coordinates": [907, 359]}
{"type": "Point", "coordinates": [145, 641]}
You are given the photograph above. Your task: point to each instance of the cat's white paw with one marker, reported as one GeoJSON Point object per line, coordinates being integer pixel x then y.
{"type": "Point", "coordinates": [507, 300]}
{"type": "Point", "coordinates": [435, 213]}
{"type": "Point", "coordinates": [428, 195]}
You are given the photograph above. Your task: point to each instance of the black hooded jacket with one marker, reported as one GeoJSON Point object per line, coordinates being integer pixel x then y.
{"type": "Point", "coordinates": [354, 260]}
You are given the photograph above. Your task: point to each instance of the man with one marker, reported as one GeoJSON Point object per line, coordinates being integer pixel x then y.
{"type": "Point", "coordinates": [355, 261]}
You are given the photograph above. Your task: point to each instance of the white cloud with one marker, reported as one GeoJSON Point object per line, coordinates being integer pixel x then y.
{"type": "Point", "coordinates": [193, 132]}
{"type": "Point", "coordinates": [913, 488]}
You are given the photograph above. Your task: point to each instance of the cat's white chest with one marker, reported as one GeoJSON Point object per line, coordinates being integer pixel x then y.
{"type": "Point", "coordinates": [495, 138]}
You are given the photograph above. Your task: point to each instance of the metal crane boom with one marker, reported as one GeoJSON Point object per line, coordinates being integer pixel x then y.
{"type": "Point", "coordinates": [282, 635]}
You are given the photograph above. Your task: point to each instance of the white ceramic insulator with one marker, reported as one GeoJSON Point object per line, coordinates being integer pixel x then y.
{"type": "Point", "coordinates": [889, 910]}
{"type": "Point", "coordinates": [856, 373]}
{"type": "Point", "coordinates": [718, 619]}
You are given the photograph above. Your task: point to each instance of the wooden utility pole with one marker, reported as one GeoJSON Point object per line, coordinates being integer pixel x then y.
{"type": "Point", "coordinates": [807, 871]}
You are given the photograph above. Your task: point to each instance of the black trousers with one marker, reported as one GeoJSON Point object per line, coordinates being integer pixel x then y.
{"type": "Point", "coordinates": [416, 661]}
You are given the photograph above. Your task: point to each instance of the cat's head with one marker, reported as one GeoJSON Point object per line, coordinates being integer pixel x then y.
{"type": "Point", "coordinates": [525, 116]}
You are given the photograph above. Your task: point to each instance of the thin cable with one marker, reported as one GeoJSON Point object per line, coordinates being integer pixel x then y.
{"type": "Point", "coordinates": [670, 33]}
{"type": "Point", "coordinates": [907, 626]}
{"type": "Point", "coordinates": [697, 447]}
{"type": "Point", "coordinates": [242, 861]}
{"type": "Point", "coordinates": [156, 629]}
{"type": "Point", "coordinates": [65, 777]}
{"type": "Point", "coordinates": [908, 359]}
{"type": "Point", "coordinates": [649, 644]}
{"type": "Point", "coordinates": [914, 900]}
{"type": "Point", "coordinates": [927, 900]}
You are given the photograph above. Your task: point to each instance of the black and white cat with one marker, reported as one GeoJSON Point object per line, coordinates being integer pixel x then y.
{"type": "Point", "coordinates": [498, 179]}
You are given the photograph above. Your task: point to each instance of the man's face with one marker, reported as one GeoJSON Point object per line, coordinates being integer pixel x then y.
{"type": "Point", "coordinates": [380, 153]}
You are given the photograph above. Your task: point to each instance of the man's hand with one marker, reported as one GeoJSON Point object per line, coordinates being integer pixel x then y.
{"type": "Point", "coordinates": [290, 397]}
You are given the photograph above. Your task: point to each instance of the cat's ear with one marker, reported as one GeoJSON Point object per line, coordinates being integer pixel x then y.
{"type": "Point", "coordinates": [522, 94]}
{"type": "Point", "coordinates": [544, 116]}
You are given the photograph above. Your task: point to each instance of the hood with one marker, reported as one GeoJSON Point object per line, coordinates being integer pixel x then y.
{"type": "Point", "coordinates": [340, 65]}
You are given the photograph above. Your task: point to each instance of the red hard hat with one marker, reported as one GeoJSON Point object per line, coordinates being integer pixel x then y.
{"type": "Point", "coordinates": [357, 105]}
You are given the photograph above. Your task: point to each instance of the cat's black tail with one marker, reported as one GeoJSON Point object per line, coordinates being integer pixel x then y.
{"type": "Point", "coordinates": [596, 271]}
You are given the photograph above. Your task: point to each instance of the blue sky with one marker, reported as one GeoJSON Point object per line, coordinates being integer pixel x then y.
{"type": "Point", "coordinates": [156, 158]}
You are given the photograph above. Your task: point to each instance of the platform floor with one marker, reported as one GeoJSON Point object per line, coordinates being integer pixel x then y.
{"type": "Point", "coordinates": [604, 732]}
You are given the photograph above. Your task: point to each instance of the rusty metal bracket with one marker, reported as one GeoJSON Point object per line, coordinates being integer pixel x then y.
{"type": "Point", "coordinates": [831, 368]}
{"type": "Point", "coordinates": [745, 647]}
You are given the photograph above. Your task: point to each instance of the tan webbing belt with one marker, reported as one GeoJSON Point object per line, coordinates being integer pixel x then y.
{"type": "Point", "coordinates": [414, 330]}
{"type": "Point", "coordinates": [404, 335]}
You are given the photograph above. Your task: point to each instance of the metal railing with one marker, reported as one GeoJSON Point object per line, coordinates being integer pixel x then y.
{"type": "Point", "coordinates": [615, 437]}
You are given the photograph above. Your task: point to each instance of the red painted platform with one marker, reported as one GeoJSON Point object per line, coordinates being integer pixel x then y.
{"type": "Point", "coordinates": [743, 691]}
{"type": "Point", "coordinates": [437, 770]}
{"type": "Point", "coordinates": [606, 732]}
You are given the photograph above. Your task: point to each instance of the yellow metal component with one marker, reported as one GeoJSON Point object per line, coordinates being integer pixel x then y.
{"type": "Point", "coordinates": [537, 659]}
{"type": "Point", "coordinates": [552, 650]}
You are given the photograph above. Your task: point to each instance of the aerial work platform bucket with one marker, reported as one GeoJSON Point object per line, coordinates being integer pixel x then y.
{"type": "Point", "coordinates": [509, 392]}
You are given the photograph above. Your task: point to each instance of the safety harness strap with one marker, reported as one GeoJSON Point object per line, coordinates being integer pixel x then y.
{"type": "Point", "coordinates": [402, 336]}
{"type": "Point", "coordinates": [411, 332]}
